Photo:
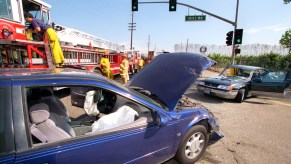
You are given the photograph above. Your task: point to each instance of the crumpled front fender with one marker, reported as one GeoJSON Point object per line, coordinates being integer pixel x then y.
{"type": "Point", "coordinates": [214, 133]}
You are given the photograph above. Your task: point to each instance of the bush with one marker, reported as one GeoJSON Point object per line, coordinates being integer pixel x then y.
{"type": "Point", "coordinates": [266, 60]}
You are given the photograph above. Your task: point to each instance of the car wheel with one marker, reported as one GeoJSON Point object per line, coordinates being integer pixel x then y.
{"type": "Point", "coordinates": [240, 96]}
{"type": "Point", "coordinates": [193, 145]}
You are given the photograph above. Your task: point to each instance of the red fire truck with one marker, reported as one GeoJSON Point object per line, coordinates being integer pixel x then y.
{"type": "Point", "coordinates": [133, 57]}
{"type": "Point", "coordinates": [81, 50]}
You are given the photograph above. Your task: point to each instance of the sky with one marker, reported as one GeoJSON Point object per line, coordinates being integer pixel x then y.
{"type": "Point", "coordinates": [263, 22]}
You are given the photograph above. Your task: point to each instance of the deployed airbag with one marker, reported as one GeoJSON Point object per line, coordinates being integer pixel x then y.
{"type": "Point", "coordinates": [90, 105]}
{"type": "Point", "coordinates": [124, 115]}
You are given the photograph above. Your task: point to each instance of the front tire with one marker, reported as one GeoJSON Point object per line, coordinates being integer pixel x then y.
{"type": "Point", "coordinates": [240, 96]}
{"type": "Point", "coordinates": [193, 145]}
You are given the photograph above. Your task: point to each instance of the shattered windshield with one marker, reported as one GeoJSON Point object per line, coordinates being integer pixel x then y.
{"type": "Point", "coordinates": [230, 72]}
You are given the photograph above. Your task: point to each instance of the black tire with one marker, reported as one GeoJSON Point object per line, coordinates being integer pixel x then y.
{"type": "Point", "coordinates": [185, 153]}
{"type": "Point", "coordinates": [240, 96]}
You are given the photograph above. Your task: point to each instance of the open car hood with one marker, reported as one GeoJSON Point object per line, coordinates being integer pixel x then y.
{"type": "Point", "coordinates": [169, 75]}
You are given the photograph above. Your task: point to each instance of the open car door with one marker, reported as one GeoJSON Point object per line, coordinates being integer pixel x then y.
{"type": "Point", "coordinates": [273, 83]}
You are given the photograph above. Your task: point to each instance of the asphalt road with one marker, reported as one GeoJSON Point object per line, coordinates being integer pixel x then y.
{"type": "Point", "coordinates": [256, 131]}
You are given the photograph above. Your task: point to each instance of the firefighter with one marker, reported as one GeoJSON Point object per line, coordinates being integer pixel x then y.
{"type": "Point", "coordinates": [105, 63]}
{"type": "Point", "coordinates": [140, 64]}
{"type": "Point", "coordinates": [39, 27]}
{"type": "Point", "coordinates": [28, 34]}
{"type": "Point", "coordinates": [124, 65]}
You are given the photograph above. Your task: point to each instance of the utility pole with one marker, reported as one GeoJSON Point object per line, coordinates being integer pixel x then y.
{"type": "Point", "coordinates": [131, 27]}
{"type": "Point", "coordinates": [187, 46]}
{"type": "Point", "coordinates": [149, 43]}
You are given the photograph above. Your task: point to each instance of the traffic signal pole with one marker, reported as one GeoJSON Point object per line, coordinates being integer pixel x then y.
{"type": "Point", "coordinates": [233, 41]}
{"type": "Point", "coordinates": [195, 8]}
{"type": "Point", "coordinates": [213, 15]}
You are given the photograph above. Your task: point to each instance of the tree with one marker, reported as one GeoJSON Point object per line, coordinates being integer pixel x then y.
{"type": "Point", "coordinates": [286, 40]}
{"type": "Point", "coordinates": [286, 1]}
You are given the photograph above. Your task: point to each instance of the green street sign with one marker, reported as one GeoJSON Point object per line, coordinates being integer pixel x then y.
{"type": "Point", "coordinates": [195, 18]}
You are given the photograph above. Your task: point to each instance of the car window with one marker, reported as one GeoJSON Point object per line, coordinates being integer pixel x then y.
{"type": "Point", "coordinates": [74, 111]}
{"type": "Point", "coordinates": [256, 74]}
{"type": "Point", "coordinates": [6, 136]}
{"type": "Point", "coordinates": [274, 76]}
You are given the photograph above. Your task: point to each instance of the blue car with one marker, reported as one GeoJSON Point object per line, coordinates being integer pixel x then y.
{"type": "Point", "coordinates": [71, 116]}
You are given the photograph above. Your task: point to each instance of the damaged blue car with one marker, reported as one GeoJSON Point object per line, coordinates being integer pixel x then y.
{"type": "Point", "coordinates": [70, 116]}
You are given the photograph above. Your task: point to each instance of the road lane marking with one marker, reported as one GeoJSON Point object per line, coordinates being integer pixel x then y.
{"type": "Point", "coordinates": [278, 102]}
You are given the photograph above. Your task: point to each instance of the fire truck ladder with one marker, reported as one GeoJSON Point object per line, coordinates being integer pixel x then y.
{"type": "Point", "coordinates": [72, 37]}
{"type": "Point", "coordinates": [48, 52]}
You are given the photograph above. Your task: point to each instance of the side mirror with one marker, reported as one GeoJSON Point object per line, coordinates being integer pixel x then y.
{"type": "Point", "coordinates": [161, 120]}
{"type": "Point", "coordinates": [257, 80]}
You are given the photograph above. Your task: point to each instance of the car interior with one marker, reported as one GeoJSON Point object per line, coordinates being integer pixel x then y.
{"type": "Point", "coordinates": [74, 111]}
{"type": "Point", "coordinates": [274, 76]}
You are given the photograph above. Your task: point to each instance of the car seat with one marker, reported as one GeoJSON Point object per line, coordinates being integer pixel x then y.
{"type": "Point", "coordinates": [46, 129]}
{"type": "Point", "coordinates": [54, 103]}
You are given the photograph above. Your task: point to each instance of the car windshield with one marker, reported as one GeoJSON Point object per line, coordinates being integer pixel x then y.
{"type": "Point", "coordinates": [230, 72]}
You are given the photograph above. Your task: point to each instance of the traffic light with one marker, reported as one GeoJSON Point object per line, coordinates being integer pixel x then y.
{"type": "Point", "coordinates": [236, 51]}
{"type": "Point", "coordinates": [134, 5]}
{"type": "Point", "coordinates": [229, 38]}
{"type": "Point", "coordinates": [172, 5]}
{"type": "Point", "coordinates": [238, 36]}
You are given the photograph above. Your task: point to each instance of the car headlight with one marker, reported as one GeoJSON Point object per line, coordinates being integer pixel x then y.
{"type": "Point", "coordinates": [201, 83]}
{"type": "Point", "coordinates": [225, 87]}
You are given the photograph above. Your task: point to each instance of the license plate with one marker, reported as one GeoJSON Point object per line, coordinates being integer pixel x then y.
{"type": "Point", "coordinates": [207, 91]}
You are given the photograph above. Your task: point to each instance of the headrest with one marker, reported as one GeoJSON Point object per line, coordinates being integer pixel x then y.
{"type": "Point", "coordinates": [39, 113]}
{"type": "Point", "coordinates": [46, 93]}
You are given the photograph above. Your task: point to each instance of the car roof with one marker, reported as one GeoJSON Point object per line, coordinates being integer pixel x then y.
{"type": "Point", "coordinates": [246, 67]}
{"type": "Point", "coordinates": [30, 74]}
{"type": "Point", "coordinates": [22, 75]}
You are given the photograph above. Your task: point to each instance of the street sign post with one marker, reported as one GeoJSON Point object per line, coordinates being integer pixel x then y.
{"type": "Point", "coordinates": [195, 18]}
